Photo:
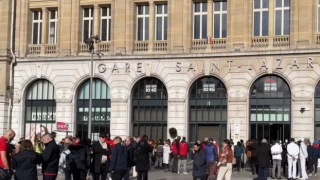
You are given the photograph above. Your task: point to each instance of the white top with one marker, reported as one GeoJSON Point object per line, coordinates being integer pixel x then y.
{"type": "Point", "coordinates": [293, 150]}
{"type": "Point", "coordinates": [303, 151]}
{"type": "Point", "coordinates": [276, 151]}
{"type": "Point", "coordinates": [62, 160]}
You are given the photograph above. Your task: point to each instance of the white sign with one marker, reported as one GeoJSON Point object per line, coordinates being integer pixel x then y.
{"type": "Point", "coordinates": [236, 129]}
{"type": "Point", "coordinates": [151, 88]}
{"type": "Point", "coordinates": [208, 87]}
{"type": "Point", "coordinates": [43, 116]}
{"type": "Point", "coordinates": [270, 85]}
{"type": "Point", "coordinates": [97, 118]}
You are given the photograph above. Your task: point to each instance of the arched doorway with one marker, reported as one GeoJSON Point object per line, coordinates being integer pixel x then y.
{"type": "Point", "coordinates": [40, 110]}
{"type": "Point", "coordinates": [101, 109]}
{"type": "Point", "coordinates": [270, 109]}
{"type": "Point", "coordinates": [150, 109]}
{"type": "Point", "coordinates": [208, 100]}
{"type": "Point", "coordinates": [317, 112]}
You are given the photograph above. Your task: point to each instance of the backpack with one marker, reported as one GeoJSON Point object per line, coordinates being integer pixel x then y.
{"type": "Point", "coordinates": [69, 160]}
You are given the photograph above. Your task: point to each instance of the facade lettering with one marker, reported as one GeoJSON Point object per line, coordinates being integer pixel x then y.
{"type": "Point", "coordinates": [102, 68]}
{"type": "Point", "coordinates": [310, 61]}
{"type": "Point", "coordinates": [178, 68]}
{"type": "Point", "coordinates": [294, 63]}
{"type": "Point", "coordinates": [263, 65]}
{"type": "Point", "coordinates": [139, 66]}
{"type": "Point", "coordinates": [115, 68]}
{"type": "Point", "coordinates": [279, 64]}
{"type": "Point", "coordinates": [216, 65]}
{"type": "Point", "coordinates": [127, 68]}
{"type": "Point", "coordinates": [191, 68]}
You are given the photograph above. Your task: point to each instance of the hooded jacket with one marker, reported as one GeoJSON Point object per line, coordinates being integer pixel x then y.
{"type": "Point", "coordinates": [238, 150]}
{"type": "Point", "coordinates": [78, 157]}
{"type": "Point", "coordinates": [303, 151]}
{"type": "Point", "coordinates": [276, 151]}
{"type": "Point", "coordinates": [315, 151]}
{"type": "Point", "coordinates": [211, 152]}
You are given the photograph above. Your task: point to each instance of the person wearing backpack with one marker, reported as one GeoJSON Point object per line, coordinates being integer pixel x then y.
{"type": "Point", "coordinates": [76, 161]}
{"type": "Point", "coordinates": [142, 151]}
{"type": "Point", "coordinates": [211, 156]}
{"type": "Point", "coordinates": [63, 157]}
{"type": "Point", "coordinates": [159, 154]}
{"type": "Point", "coordinates": [118, 165]}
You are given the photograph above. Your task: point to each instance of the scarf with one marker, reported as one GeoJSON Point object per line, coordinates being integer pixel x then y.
{"type": "Point", "coordinates": [104, 158]}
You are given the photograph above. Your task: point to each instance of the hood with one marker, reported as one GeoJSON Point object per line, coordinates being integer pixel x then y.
{"type": "Point", "coordinates": [74, 147]}
{"type": "Point", "coordinates": [183, 141]}
{"type": "Point", "coordinates": [316, 146]}
{"type": "Point", "coordinates": [209, 144]}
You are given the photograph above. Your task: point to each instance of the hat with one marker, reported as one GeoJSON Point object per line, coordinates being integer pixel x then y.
{"type": "Point", "coordinates": [302, 139]}
{"type": "Point", "coordinates": [315, 142]}
{"type": "Point", "coordinates": [264, 141]}
{"type": "Point", "coordinates": [102, 134]}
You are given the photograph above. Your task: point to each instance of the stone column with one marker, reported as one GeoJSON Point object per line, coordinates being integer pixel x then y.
{"type": "Point", "coordinates": [4, 103]}
{"type": "Point", "coordinates": [44, 35]}
{"type": "Point", "coordinates": [119, 121]}
{"type": "Point", "coordinates": [96, 23]}
{"type": "Point", "coordinates": [271, 24]}
{"type": "Point", "coordinates": [66, 114]}
{"type": "Point", "coordinates": [294, 23]}
{"type": "Point", "coordinates": [151, 26]}
{"type": "Point", "coordinates": [209, 22]}
{"type": "Point", "coordinates": [176, 116]}
{"type": "Point", "coordinates": [238, 115]}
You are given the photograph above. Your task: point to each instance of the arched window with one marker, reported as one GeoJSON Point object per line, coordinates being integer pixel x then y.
{"type": "Point", "coordinates": [208, 109]}
{"type": "Point", "coordinates": [317, 112]}
{"type": "Point", "coordinates": [40, 110]}
{"type": "Point", "coordinates": [270, 108]}
{"type": "Point", "coordinates": [101, 109]}
{"type": "Point", "coordinates": [149, 109]}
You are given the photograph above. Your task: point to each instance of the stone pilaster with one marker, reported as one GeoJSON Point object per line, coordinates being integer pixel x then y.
{"type": "Point", "coordinates": [76, 28]}
{"type": "Point", "coordinates": [151, 26]}
{"type": "Point", "coordinates": [65, 29]}
{"type": "Point", "coordinates": [64, 113]}
{"type": "Point", "coordinates": [4, 103]}
{"type": "Point", "coordinates": [44, 35]}
{"type": "Point", "coordinates": [238, 115]}
{"type": "Point", "coordinates": [96, 23]}
{"type": "Point", "coordinates": [305, 24]}
{"type": "Point", "coordinates": [119, 121]}
{"type": "Point", "coordinates": [177, 117]}
{"type": "Point", "coordinates": [210, 22]}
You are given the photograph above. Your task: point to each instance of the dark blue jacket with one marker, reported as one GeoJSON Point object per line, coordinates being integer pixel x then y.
{"type": "Point", "coordinates": [119, 157]}
{"type": "Point", "coordinates": [25, 163]}
{"type": "Point", "coordinates": [78, 157]}
{"type": "Point", "coordinates": [238, 150]}
{"type": "Point", "coordinates": [314, 152]}
{"type": "Point", "coordinates": [199, 164]}
{"type": "Point", "coordinates": [211, 152]}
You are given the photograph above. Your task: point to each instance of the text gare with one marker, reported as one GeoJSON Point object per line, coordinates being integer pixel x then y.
{"type": "Point", "coordinates": [214, 65]}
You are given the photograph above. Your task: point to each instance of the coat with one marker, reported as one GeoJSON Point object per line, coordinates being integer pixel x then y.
{"type": "Point", "coordinates": [25, 163]}
{"type": "Point", "coordinates": [50, 158]}
{"type": "Point", "coordinates": [276, 151]}
{"type": "Point", "coordinates": [166, 153]}
{"type": "Point", "coordinates": [119, 158]}
{"type": "Point", "coordinates": [130, 156]}
{"type": "Point", "coordinates": [142, 151]}
{"type": "Point", "coordinates": [98, 151]}
{"type": "Point", "coordinates": [238, 150]}
{"type": "Point", "coordinates": [78, 156]}
{"type": "Point", "coordinates": [264, 155]}
{"type": "Point", "coordinates": [199, 163]}
{"type": "Point", "coordinates": [303, 151]}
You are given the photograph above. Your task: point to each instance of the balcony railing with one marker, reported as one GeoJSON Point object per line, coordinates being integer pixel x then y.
{"type": "Point", "coordinates": [281, 41]}
{"type": "Point", "coordinates": [104, 46]}
{"type": "Point", "coordinates": [199, 44]}
{"type": "Point", "coordinates": [141, 46]}
{"type": "Point", "coordinates": [259, 42]}
{"type": "Point", "coordinates": [83, 48]}
{"type": "Point", "coordinates": [34, 49]}
{"type": "Point", "coordinates": [51, 49]}
{"type": "Point", "coordinates": [218, 44]}
{"type": "Point", "coordinates": [160, 46]}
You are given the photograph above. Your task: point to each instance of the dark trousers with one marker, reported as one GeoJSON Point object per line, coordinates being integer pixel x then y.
{"type": "Point", "coordinates": [142, 175]}
{"type": "Point", "coordinates": [263, 173]}
{"type": "Point", "coordinates": [199, 178]}
{"type": "Point", "coordinates": [175, 163]}
{"type": "Point", "coordinates": [253, 165]}
{"type": "Point", "coordinates": [314, 164]}
{"type": "Point", "coordinates": [67, 174]}
{"type": "Point", "coordinates": [238, 163]}
{"type": "Point", "coordinates": [103, 172]}
{"type": "Point", "coordinates": [49, 177]}
{"type": "Point", "coordinates": [118, 174]}
{"type": "Point", "coordinates": [126, 176]}
{"type": "Point", "coordinates": [79, 174]}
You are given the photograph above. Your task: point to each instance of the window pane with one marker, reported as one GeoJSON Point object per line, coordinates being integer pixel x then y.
{"type": "Point", "coordinates": [52, 32]}
{"type": "Point", "coordinates": [165, 9]}
{"type": "Point", "coordinates": [159, 9]}
{"type": "Point", "coordinates": [196, 7]}
{"type": "Point", "coordinates": [224, 25]}
{"type": "Point", "coordinates": [319, 19]}
{"type": "Point", "coordinates": [224, 5]}
{"type": "Point", "coordinates": [217, 6]}
{"type": "Point", "coordinates": [196, 27]}
{"type": "Point", "coordinates": [256, 24]}
{"type": "Point", "coordinates": [104, 30]}
{"type": "Point", "coordinates": [146, 9]}
{"type": "Point", "coordinates": [286, 3]}
{"type": "Point", "coordinates": [204, 7]}
{"type": "Point", "coordinates": [40, 32]}
{"type": "Point", "coordinates": [265, 23]}
{"type": "Point", "coordinates": [146, 29]}
{"type": "Point", "coordinates": [109, 30]}
{"type": "Point", "coordinates": [35, 15]}
{"type": "Point", "coordinates": [86, 12]}
{"type": "Point", "coordinates": [165, 28]}
{"type": "Point", "coordinates": [159, 28]}
{"type": "Point", "coordinates": [279, 3]}
{"type": "Point", "coordinates": [216, 26]}
{"type": "Point", "coordinates": [265, 3]}
{"type": "Point", "coordinates": [140, 10]}
{"type": "Point", "coordinates": [52, 14]}
{"type": "Point", "coordinates": [204, 26]}
{"type": "Point", "coordinates": [104, 11]}
{"type": "Point", "coordinates": [85, 29]}
{"type": "Point", "coordinates": [257, 4]}
{"type": "Point", "coordinates": [278, 23]}
{"type": "Point", "coordinates": [140, 29]}
{"type": "Point", "coordinates": [35, 33]}
{"type": "Point", "coordinates": [286, 26]}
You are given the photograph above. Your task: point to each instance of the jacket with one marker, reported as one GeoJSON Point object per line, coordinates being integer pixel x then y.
{"type": "Point", "coordinates": [78, 157]}
{"type": "Point", "coordinates": [130, 156]}
{"type": "Point", "coordinates": [264, 155]}
{"type": "Point", "coordinates": [293, 150]}
{"type": "Point", "coordinates": [63, 156]}
{"type": "Point", "coordinates": [119, 157]}
{"type": "Point", "coordinates": [25, 164]}
{"type": "Point", "coordinates": [315, 151]}
{"type": "Point", "coordinates": [254, 149]}
{"type": "Point", "coordinates": [166, 154]}
{"type": "Point", "coordinates": [50, 158]}
{"type": "Point", "coordinates": [211, 152]}
{"type": "Point", "coordinates": [303, 151]}
{"type": "Point", "coordinates": [175, 147]}
{"type": "Point", "coordinates": [238, 150]}
{"type": "Point", "coordinates": [199, 163]}
{"type": "Point", "coordinates": [276, 151]}
{"type": "Point", "coordinates": [98, 151]}
{"type": "Point", "coordinates": [183, 148]}
{"type": "Point", "coordinates": [142, 151]}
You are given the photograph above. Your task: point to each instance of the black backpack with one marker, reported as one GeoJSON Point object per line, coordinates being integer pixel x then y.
{"type": "Point", "coordinates": [69, 161]}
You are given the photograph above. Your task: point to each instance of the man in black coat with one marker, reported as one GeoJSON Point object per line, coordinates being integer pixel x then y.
{"type": "Point", "coordinates": [264, 158]}
{"type": "Point", "coordinates": [50, 158]}
{"type": "Point", "coordinates": [130, 157]}
{"type": "Point", "coordinates": [101, 151]}
{"type": "Point", "coordinates": [142, 151]}
{"type": "Point", "coordinates": [118, 165]}
{"type": "Point", "coordinates": [254, 160]}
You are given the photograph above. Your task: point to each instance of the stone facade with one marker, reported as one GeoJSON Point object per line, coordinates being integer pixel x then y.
{"type": "Point", "coordinates": [237, 60]}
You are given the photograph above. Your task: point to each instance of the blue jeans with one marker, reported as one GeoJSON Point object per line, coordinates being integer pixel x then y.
{"type": "Point", "coordinates": [263, 173]}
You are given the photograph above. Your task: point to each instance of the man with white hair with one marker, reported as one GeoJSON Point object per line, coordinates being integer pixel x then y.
{"type": "Point", "coordinates": [293, 153]}
{"type": "Point", "coordinates": [303, 156]}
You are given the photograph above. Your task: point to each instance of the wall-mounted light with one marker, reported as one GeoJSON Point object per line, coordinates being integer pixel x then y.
{"type": "Point", "coordinates": [302, 109]}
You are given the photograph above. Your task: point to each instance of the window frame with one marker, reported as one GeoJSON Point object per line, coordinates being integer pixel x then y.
{"type": "Point", "coordinates": [90, 19]}
{"type": "Point", "coordinates": [260, 10]}
{"type": "Point", "coordinates": [163, 15]}
{"type": "Point", "coordinates": [318, 19]}
{"type": "Point", "coordinates": [220, 13]}
{"type": "Point", "coordinates": [55, 21]}
{"type": "Point", "coordinates": [143, 16]}
{"type": "Point", "coordinates": [282, 9]}
{"type": "Point", "coordinates": [201, 14]}
{"type": "Point", "coordinates": [39, 22]}
{"type": "Point", "coordinates": [108, 18]}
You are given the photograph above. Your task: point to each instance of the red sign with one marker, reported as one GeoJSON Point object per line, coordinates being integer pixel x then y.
{"type": "Point", "coordinates": [62, 126]}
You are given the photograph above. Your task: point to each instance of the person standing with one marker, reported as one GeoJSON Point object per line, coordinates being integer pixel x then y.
{"type": "Point", "coordinates": [254, 160]}
{"type": "Point", "coordinates": [159, 154]}
{"type": "Point", "coordinates": [199, 162]}
{"type": "Point", "coordinates": [264, 157]}
{"type": "Point", "coordinates": [77, 160]}
{"type": "Point", "coordinates": [303, 156]}
{"type": "Point", "coordinates": [166, 155]}
{"type": "Point", "coordinates": [293, 152]}
{"type": "Point", "coordinates": [130, 157]}
{"type": "Point", "coordinates": [211, 156]}
{"type": "Point", "coordinates": [314, 155]}
{"type": "Point", "coordinates": [142, 151]}
{"type": "Point", "coordinates": [225, 161]}
{"type": "Point", "coordinates": [183, 155]}
{"type": "Point", "coordinates": [175, 151]}
{"type": "Point", "coordinates": [5, 158]}
{"type": "Point", "coordinates": [50, 158]}
{"type": "Point", "coordinates": [238, 151]}
{"type": "Point", "coordinates": [276, 151]}
{"type": "Point", "coordinates": [136, 140]}
{"type": "Point", "coordinates": [118, 165]}
{"type": "Point", "coordinates": [62, 160]}
{"type": "Point", "coordinates": [101, 152]}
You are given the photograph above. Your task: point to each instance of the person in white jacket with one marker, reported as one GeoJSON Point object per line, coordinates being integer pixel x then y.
{"type": "Point", "coordinates": [303, 156]}
{"type": "Point", "coordinates": [166, 155]}
{"type": "Point", "coordinates": [293, 153]}
{"type": "Point", "coordinates": [276, 151]}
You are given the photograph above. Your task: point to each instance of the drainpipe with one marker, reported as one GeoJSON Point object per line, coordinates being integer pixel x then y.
{"type": "Point", "coordinates": [13, 61]}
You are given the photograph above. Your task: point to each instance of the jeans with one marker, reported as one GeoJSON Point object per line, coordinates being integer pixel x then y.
{"type": "Point", "coordinates": [184, 162]}
{"type": "Point", "coordinates": [263, 173]}
{"type": "Point", "coordinates": [159, 160]}
{"type": "Point", "coordinates": [238, 163]}
{"type": "Point", "coordinates": [292, 168]}
{"type": "Point", "coordinates": [314, 164]}
{"type": "Point", "coordinates": [253, 165]}
{"type": "Point", "coordinates": [126, 176]}
{"type": "Point", "coordinates": [67, 174]}
{"type": "Point", "coordinates": [175, 163]}
{"type": "Point", "coordinates": [142, 175]}
{"type": "Point", "coordinates": [276, 164]}
{"type": "Point", "coordinates": [199, 178]}
{"type": "Point", "coordinates": [118, 174]}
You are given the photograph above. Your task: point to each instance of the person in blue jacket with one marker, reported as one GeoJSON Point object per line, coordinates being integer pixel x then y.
{"type": "Point", "coordinates": [211, 156]}
{"type": "Point", "coordinates": [199, 162]}
{"type": "Point", "coordinates": [118, 165]}
{"type": "Point", "coordinates": [238, 150]}
{"type": "Point", "coordinates": [314, 155]}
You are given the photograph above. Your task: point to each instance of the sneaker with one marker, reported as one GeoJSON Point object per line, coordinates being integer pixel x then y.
{"type": "Point", "coordinates": [178, 172]}
{"type": "Point", "coordinates": [185, 173]}
{"type": "Point", "coordinates": [310, 174]}
{"type": "Point", "coordinates": [315, 174]}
